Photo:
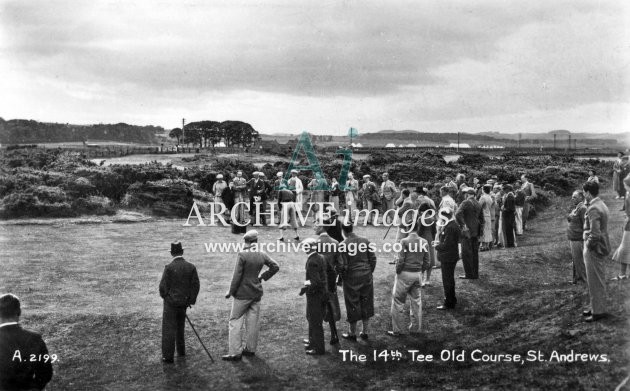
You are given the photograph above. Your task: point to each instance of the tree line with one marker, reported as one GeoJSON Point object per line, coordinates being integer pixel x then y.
{"type": "Point", "coordinates": [29, 131]}
{"type": "Point", "coordinates": [210, 133]}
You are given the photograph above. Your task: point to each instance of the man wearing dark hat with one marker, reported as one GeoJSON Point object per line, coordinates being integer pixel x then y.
{"type": "Point", "coordinates": [17, 347]}
{"type": "Point", "coordinates": [179, 288]}
{"type": "Point", "coordinates": [329, 249]}
{"type": "Point", "coordinates": [246, 291]}
{"type": "Point", "coordinates": [315, 287]}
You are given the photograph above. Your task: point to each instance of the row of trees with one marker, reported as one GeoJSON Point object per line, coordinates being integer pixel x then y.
{"type": "Point", "coordinates": [28, 131]}
{"type": "Point", "coordinates": [210, 133]}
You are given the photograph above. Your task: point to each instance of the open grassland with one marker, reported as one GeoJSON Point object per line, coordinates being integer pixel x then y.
{"type": "Point", "coordinates": [91, 290]}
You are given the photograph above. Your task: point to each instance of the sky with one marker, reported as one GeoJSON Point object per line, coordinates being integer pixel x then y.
{"type": "Point", "coordinates": [320, 66]}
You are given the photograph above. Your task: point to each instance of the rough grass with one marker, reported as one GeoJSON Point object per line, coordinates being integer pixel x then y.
{"type": "Point", "coordinates": [91, 290]}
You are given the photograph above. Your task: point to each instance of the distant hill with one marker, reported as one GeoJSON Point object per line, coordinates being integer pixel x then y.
{"type": "Point", "coordinates": [19, 131]}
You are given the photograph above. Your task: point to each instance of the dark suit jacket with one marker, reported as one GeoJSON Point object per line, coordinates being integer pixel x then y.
{"type": "Point", "coordinates": [448, 250]}
{"type": "Point", "coordinates": [316, 273]}
{"type": "Point", "coordinates": [180, 284]}
{"type": "Point", "coordinates": [245, 281]}
{"type": "Point", "coordinates": [335, 230]}
{"type": "Point", "coordinates": [471, 214]}
{"type": "Point", "coordinates": [24, 375]}
{"type": "Point", "coordinates": [257, 188]}
{"type": "Point", "coordinates": [362, 263]}
{"type": "Point", "coordinates": [332, 258]}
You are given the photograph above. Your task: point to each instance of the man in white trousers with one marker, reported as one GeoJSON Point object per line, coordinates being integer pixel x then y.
{"type": "Point", "coordinates": [246, 291]}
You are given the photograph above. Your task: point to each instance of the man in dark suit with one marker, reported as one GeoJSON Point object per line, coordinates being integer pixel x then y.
{"type": "Point", "coordinates": [17, 346]}
{"type": "Point", "coordinates": [246, 291]}
{"type": "Point", "coordinates": [329, 249]}
{"type": "Point", "coordinates": [179, 288]}
{"type": "Point", "coordinates": [446, 247]}
{"type": "Point", "coordinates": [257, 194]}
{"type": "Point", "coordinates": [358, 264]}
{"type": "Point", "coordinates": [469, 216]}
{"type": "Point", "coordinates": [315, 287]}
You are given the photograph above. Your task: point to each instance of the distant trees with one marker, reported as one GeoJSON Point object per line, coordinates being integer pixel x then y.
{"type": "Point", "coordinates": [28, 131]}
{"type": "Point", "coordinates": [234, 133]}
{"type": "Point", "coordinates": [175, 133]}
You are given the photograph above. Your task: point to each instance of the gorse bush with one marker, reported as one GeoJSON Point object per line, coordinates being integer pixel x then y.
{"type": "Point", "coordinates": [55, 183]}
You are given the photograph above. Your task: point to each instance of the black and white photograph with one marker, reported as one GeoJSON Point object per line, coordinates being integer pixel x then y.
{"type": "Point", "coordinates": [314, 195]}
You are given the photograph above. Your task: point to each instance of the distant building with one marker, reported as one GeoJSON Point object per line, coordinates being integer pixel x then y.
{"type": "Point", "coordinates": [461, 145]}
{"type": "Point", "coordinates": [411, 145]}
{"type": "Point", "coordinates": [357, 145]}
{"type": "Point", "coordinates": [390, 145]}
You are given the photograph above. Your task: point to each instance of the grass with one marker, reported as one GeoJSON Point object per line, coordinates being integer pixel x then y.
{"type": "Point", "coordinates": [91, 290]}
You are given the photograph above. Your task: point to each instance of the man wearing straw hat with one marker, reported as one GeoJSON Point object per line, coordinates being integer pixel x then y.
{"type": "Point", "coordinates": [246, 291]}
{"type": "Point", "coordinates": [179, 288]}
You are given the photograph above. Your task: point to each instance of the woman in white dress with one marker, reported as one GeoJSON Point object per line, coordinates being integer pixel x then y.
{"type": "Point", "coordinates": [486, 207]}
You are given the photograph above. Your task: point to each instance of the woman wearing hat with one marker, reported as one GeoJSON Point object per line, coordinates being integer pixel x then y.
{"type": "Point", "coordinates": [486, 208]}
{"type": "Point", "coordinates": [622, 255]}
{"type": "Point", "coordinates": [617, 179]}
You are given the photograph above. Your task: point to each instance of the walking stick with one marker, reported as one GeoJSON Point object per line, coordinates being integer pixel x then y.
{"type": "Point", "coordinates": [390, 227]}
{"type": "Point", "coordinates": [199, 338]}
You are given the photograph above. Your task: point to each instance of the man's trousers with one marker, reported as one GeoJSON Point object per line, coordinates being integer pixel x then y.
{"type": "Point", "coordinates": [173, 322]}
{"type": "Point", "coordinates": [245, 313]}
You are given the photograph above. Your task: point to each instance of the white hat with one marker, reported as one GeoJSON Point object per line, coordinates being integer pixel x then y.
{"type": "Point", "coordinates": [256, 173]}
{"type": "Point", "coordinates": [219, 176]}
{"type": "Point", "coordinates": [294, 171]}
{"type": "Point", "coordinates": [366, 176]}
{"type": "Point", "coordinates": [251, 235]}
{"type": "Point", "coordinates": [261, 173]}
{"type": "Point", "coordinates": [280, 174]}
{"type": "Point", "coordinates": [309, 242]}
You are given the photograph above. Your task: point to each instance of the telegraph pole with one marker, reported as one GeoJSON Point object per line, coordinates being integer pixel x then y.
{"type": "Point", "coordinates": [554, 141]}
{"type": "Point", "coordinates": [183, 132]}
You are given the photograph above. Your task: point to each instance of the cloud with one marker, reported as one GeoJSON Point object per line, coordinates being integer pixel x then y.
{"type": "Point", "coordinates": [407, 61]}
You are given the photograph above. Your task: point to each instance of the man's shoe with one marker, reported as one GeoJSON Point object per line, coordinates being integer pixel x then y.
{"type": "Point", "coordinates": [393, 334]}
{"type": "Point", "coordinates": [334, 341]}
{"type": "Point", "coordinates": [232, 357]}
{"type": "Point", "coordinates": [351, 337]}
{"type": "Point", "coordinates": [167, 360]}
{"type": "Point", "coordinates": [306, 341]}
{"type": "Point", "coordinates": [465, 278]}
{"type": "Point", "coordinates": [587, 313]}
{"type": "Point", "coordinates": [363, 335]}
{"type": "Point", "coordinates": [248, 353]}
{"type": "Point", "coordinates": [595, 317]}
{"type": "Point", "coordinates": [314, 353]}
{"type": "Point", "coordinates": [443, 307]}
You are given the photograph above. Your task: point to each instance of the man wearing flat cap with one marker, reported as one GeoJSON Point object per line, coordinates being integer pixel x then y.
{"type": "Point", "coordinates": [370, 195]}
{"type": "Point", "coordinates": [246, 291]}
{"type": "Point", "coordinates": [179, 288]}
{"type": "Point", "coordinates": [296, 186]}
